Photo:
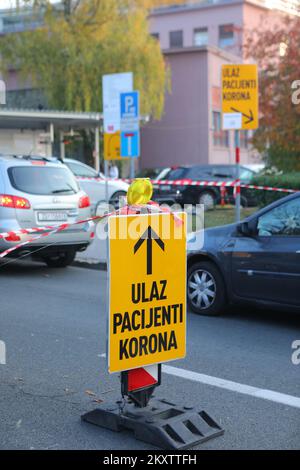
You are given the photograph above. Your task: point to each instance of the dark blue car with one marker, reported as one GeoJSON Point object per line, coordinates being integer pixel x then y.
{"type": "Point", "coordinates": [256, 261]}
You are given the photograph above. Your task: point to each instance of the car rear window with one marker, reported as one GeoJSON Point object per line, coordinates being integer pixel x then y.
{"type": "Point", "coordinates": [42, 180]}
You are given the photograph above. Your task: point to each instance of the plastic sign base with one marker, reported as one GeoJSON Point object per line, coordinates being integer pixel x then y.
{"type": "Point", "coordinates": [161, 423]}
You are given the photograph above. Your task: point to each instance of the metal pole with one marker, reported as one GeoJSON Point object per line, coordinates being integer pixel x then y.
{"type": "Point", "coordinates": [106, 179]}
{"type": "Point", "coordinates": [51, 132]}
{"type": "Point", "coordinates": [132, 168]}
{"type": "Point", "coordinates": [97, 149]}
{"type": "Point", "coordinates": [238, 182]}
{"type": "Point", "coordinates": [62, 145]}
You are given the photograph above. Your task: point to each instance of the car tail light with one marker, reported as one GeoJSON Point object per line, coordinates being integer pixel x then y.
{"type": "Point", "coordinates": [84, 201]}
{"type": "Point", "coordinates": [14, 202]}
{"type": "Point", "coordinates": [12, 237]}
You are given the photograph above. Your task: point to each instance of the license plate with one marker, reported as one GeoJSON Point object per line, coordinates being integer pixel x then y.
{"type": "Point", "coordinates": [52, 216]}
{"type": "Point", "coordinates": [165, 187]}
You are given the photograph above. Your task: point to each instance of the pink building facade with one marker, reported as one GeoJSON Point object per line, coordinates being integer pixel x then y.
{"type": "Point", "coordinates": [196, 40]}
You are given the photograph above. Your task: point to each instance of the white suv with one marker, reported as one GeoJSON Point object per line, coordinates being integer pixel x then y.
{"type": "Point", "coordinates": [93, 184]}
{"type": "Point", "coordinates": [40, 192]}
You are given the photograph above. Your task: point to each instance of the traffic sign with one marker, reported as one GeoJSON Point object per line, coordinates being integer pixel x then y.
{"type": "Point", "coordinates": [130, 144]}
{"type": "Point", "coordinates": [130, 125]}
{"type": "Point", "coordinates": [147, 290]}
{"type": "Point", "coordinates": [130, 112]}
{"type": "Point", "coordinates": [240, 94]}
{"type": "Point", "coordinates": [112, 146]}
{"type": "Point", "coordinates": [112, 86]}
{"type": "Point", "coordinates": [232, 120]}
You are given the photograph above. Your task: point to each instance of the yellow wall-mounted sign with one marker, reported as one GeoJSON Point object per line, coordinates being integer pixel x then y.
{"type": "Point", "coordinates": [240, 93]}
{"type": "Point", "coordinates": [112, 146]}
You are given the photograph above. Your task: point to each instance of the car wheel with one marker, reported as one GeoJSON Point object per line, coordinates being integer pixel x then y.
{"type": "Point", "coordinates": [207, 199]}
{"type": "Point", "coordinates": [61, 260]}
{"type": "Point", "coordinates": [205, 289]}
{"type": "Point", "coordinates": [115, 199]}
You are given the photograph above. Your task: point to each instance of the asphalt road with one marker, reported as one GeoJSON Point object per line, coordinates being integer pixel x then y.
{"type": "Point", "coordinates": [53, 324]}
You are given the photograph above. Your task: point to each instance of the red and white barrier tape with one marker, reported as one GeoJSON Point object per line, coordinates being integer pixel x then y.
{"type": "Point", "coordinates": [51, 230]}
{"type": "Point", "coordinates": [11, 236]}
{"type": "Point", "coordinates": [269, 188]}
{"type": "Point", "coordinates": [189, 182]}
{"type": "Point", "coordinates": [48, 230]}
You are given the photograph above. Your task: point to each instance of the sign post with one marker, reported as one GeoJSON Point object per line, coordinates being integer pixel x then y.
{"type": "Point", "coordinates": [238, 172]}
{"type": "Point", "coordinates": [147, 326]}
{"type": "Point", "coordinates": [239, 109]}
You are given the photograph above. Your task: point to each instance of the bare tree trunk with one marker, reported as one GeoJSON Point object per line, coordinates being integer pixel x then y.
{"type": "Point", "coordinates": [67, 8]}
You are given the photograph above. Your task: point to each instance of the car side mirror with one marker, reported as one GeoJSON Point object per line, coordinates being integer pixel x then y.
{"type": "Point", "coordinates": [248, 229]}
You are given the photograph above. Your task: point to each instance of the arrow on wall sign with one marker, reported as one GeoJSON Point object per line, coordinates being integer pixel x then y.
{"type": "Point", "coordinates": [249, 116]}
{"type": "Point", "coordinates": [149, 235]}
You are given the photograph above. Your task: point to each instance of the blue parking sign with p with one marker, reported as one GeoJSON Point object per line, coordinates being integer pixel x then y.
{"type": "Point", "coordinates": [130, 105]}
{"type": "Point", "coordinates": [130, 124]}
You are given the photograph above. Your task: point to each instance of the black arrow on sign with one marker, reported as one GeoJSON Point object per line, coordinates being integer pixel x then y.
{"type": "Point", "coordinates": [249, 116]}
{"type": "Point", "coordinates": [149, 235]}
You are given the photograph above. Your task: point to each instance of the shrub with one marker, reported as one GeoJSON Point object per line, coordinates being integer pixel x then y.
{"type": "Point", "coordinates": [286, 181]}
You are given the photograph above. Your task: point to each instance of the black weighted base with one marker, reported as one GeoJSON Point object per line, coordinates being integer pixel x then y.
{"type": "Point", "coordinates": [161, 423]}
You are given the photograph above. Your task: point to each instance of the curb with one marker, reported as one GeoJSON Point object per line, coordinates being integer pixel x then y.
{"type": "Point", "coordinates": [88, 265]}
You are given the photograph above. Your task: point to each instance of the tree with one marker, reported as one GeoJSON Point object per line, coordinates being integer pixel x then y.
{"type": "Point", "coordinates": [277, 53]}
{"type": "Point", "coordinates": [81, 40]}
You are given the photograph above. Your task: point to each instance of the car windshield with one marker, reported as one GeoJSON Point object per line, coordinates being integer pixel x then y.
{"type": "Point", "coordinates": [43, 180]}
{"type": "Point", "coordinates": [193, 173]}
{"type": "Point", "coordinates": [246, 175]}
{"type": "Point", "coordinates": [176, 174]}
{"type": "Point", "coordinates": [82, 170]}
{"type": "Point", "coordinates": [149, 173]}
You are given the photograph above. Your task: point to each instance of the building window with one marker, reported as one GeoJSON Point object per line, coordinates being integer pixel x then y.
{"type": "Point", "coordinates": [226, 35]}
{"type": "Point", "coordinates": [200, 37]}
{"type": "Point", "coordinates": [220, 137]}
{"type": "Point", "coordinates": [176, 38]}
{"type": "Point", "coordinates": [155, 36]}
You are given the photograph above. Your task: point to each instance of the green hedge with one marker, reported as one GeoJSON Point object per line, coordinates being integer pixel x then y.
{"type": "Point", "coordinates": [286, 181]}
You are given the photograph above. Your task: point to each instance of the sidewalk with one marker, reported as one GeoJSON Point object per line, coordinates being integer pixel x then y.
{"type": "Point", "coordinates": [95, 254]}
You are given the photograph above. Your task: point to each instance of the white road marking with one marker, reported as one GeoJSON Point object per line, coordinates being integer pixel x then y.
{"type": "Point", "coordinates": [237, 387]}
{"type": "Point", "coordinates": [256, 392]}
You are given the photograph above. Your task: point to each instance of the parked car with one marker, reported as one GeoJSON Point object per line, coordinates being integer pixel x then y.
{"type": "Point", "coordinates": [153, 173]}
{"type": "Point", "coordinates": [209, 196]}
{"type": "Point", "coordinates": [93, 183]}
{"type": "Point", "coordinates": [38, 192]}
{"type": "Point", "coordinates": [256, 261]}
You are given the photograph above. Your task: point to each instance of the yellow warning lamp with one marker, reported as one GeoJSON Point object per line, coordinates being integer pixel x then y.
{"type": "Point", "coordinates": [139, 192]}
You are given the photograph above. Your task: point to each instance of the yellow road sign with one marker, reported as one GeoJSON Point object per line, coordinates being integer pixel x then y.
{"type": "Point", "coordinates": [147, 293]}
{"type": "Point", "coordinates": [112, 146]}
{"type": "Point", "coordinates": [240, 93]}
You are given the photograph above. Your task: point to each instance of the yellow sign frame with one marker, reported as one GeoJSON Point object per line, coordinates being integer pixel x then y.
{"type": "Point", "coordinates": [146, 301]}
